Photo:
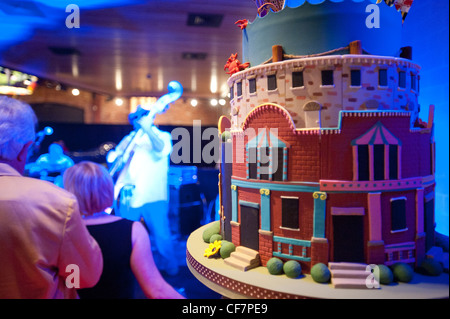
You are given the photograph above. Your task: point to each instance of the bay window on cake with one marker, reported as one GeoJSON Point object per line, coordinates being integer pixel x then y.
{"type": "Point", "coordinates": [266, 157]}
{"type": "Point", "coordinates": [376, 155]}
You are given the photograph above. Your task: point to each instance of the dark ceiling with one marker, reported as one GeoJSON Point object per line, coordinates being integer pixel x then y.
{"type": "Point", "coordinates": [125, 47]}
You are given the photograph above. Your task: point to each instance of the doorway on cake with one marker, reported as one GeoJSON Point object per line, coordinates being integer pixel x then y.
{"type": "Point", "coordinates": [348, 238]}
{"type": "Point", "coordinates": [250, 227]}
{"type": "Point", "coordinates": [312, 114]}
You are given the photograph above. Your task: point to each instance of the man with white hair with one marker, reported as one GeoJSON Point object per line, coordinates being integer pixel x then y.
{"type": "Point", "coordinates": [45, 248]}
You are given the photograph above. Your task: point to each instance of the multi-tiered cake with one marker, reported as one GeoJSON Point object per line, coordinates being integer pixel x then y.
{"type": "Point", "coordinates": [331, 162]}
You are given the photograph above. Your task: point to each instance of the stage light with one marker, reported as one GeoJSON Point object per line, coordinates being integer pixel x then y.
{"type": "Point", "coordinates": [194, 102]}
{"type": "Point", "coordinates": [119, 102]}
{"type": "Point", "coordinates": [214, 102]}
{"type": "Point", "coordinates": [75, 92]}
{"type": "Point", "coordinates": [48, 130]}
{"type": "Point", "coordinates": [222, 102]}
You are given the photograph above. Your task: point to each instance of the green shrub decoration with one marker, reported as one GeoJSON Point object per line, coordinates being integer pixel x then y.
{"type": "Point", "coordinates": [320, 273]}
{"type": "Point", "coordinates": [226, 249]}
{"type": "Point", "coordinates": [212, 229]}
{"type": "Point", "coordinates": [292, 268]}
{"type": "Point", "coordinates": [275, 266]}
{"type": "Point", "coordinates": [402, 272]}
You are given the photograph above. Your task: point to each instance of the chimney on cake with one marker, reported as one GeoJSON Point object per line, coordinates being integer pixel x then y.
{"type": "Point", "coordinates": [355, 47]}
{"type": "Point", "coordinates": [406, 53]}
{"type": "Point", "coordinates": [277, 53]}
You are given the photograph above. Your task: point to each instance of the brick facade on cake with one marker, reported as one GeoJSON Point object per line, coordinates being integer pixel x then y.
{"type": "Point", "coordinates": [357, 185]}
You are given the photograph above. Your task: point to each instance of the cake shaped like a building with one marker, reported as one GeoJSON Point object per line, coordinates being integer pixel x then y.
{"type": "Point", "coordinates": [330, 160]}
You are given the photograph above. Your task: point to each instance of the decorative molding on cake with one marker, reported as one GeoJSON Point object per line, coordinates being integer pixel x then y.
{"type": "Point", "coordinates": [265, 209]}
{"type": "Point", "coordinates": [371, 186]}
{"type": "Point", "coordinates": [347, 211]}
{"type": "Point", "coordinates": [402, 252]}
{"type": "Point", "coordinates": [265, 232]}
{"type": "Point", "coordinates": [271, 68]}
{"type": "Point", "coordinates": [421, 235]}
{"type": "Point", "coordinates": [319, 214]}
{"type": "Point", "coordinates": [319, 240]}
{"type": "Point", "coordinates": [236, 285]}
{"type": "Point", "coordinates": [320, 195]}
{"type": "Point", "coordinates": [277, 186]}
{"type": "Point", "coordinates": [264, 108]}
{"type": "Point", "coordinates": [428, 181]}
{"type": "Point", "coordinates": [374, 243]}
{"type": "Point", "coordinates": [291, 242]}
{"type": "Point", "coordinates": [249, 204]}
{"type": "Point", "coordinates": [374, 113]}
{"type": "Point", "coordinates": [321, 131]}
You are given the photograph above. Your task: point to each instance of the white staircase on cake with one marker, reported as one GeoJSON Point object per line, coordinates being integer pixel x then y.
{"type": "Point", "coordinates": [350, 275]}
{"type": "Point", "coordinates": [243, 258]}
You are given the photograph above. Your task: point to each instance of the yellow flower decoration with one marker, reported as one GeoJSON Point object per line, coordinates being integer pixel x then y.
{"type": "Point", "coordinates": [213, 248]}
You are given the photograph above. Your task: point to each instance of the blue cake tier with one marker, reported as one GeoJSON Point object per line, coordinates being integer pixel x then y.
{"type": "Point", "coordinates": [316, 28]}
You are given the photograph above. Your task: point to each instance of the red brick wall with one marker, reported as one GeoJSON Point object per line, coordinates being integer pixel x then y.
{"type": "Point", "coordinates": [375, 254]}
{"type": "Point", "coordinates": [337, 156]}
{"type": "Point", "coordinates": [265, 248]}
{"type": "Point", "coordinates": [304, 150]}
{"type": "Point", "coordinates": [319, 253]}
{"type": "Point", "coordinates": [313, 157]}
{"type": "Point", "coordinates": [239, 167]}
{"type": "Point", "coordinates": [249, 195]}
{"type": "Point", "coordinates": [236, 235]}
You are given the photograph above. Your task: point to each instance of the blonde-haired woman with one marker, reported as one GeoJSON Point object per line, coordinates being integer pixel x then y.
{"type": "Point", "coordinates": [125, 244]}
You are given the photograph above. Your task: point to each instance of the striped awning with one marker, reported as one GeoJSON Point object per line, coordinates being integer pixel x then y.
{"type": "Point", "coordinates": [378, 134]}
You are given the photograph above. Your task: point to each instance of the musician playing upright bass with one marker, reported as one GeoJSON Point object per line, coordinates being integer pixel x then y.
{"type": "Point", "coordinates": [142, 183]}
